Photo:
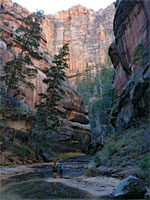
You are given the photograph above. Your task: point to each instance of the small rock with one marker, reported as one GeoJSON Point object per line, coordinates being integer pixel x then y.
{"type": "Point", "coordinates": [147, 196]}
{"type": "Point", "coordinates": [129, 188]}
{"type": "Point", "coordinates": [29, 161]}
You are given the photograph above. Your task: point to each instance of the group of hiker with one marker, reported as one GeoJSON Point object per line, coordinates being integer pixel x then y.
{"type": "Point", "coordinates": [58, 168]}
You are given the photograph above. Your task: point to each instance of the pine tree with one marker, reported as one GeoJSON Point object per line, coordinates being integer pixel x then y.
{"type": "Point", "coordinates": [28, 36]}
{"type": "Point", "coordinates": [47, 112]}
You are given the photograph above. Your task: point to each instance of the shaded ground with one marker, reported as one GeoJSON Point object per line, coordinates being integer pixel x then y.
{"type": "Point", "coordinates": [97, 186]}
{"type": "Point", "coordinates": [31, 181]}
{"type": "Point", "coordinates": [40, 189]}
{"type": "Point", "coordinates": [127, 152]}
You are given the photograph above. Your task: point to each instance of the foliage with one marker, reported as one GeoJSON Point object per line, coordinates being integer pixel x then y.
{"type": "Point", "coordinates": [47, 112]}
{"type": "Point", "coordinates": [28, 36]}
{"type": "Point", "coordinates": [145, 162]}
{"type": "Point", "coordinates": [27, 146]}
{"type": "Point", "coordinates": [85, 86]}
{"type": "Point", "coordinates": [98, 95]}
{"type": "Point", "coordinates": [111, 147]}
{"type": "Point", "coordinates": [90, 172]}
{"type": "Point", "coordinates": [97, 159]}
{"type": "Point", "coordinates": [122, 149]}
{"type": "Point", "coordinates": [109, 61]}
{"type": "Point", "coordinates": [140, 56]}
{"type": "Point", "coordinates": [145, 167]}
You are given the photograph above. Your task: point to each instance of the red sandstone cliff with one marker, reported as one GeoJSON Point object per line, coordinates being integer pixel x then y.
{"type": "Point", "coordinates": [131, 29]}
{"type": "Point", "coordinates": [88, 33]}
{"type": "Point", "coordinates": [75, 127]}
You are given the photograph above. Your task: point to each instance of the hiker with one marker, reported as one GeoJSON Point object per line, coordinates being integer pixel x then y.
{"type": "Point", "coordinates": [61, 170]}
{"type": "Point", "coordinates": [55, 169]}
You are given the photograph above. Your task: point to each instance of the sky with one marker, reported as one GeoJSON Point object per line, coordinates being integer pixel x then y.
{"type": "Point", "coordinates": [53, 6]}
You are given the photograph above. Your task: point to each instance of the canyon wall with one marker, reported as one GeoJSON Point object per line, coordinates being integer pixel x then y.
{"type": "Point", "coordinates": [75, 131]}
{"type": "Point", "coordinates": [130, 55]}
{"type": "Point", "coordinates": [87, 32]}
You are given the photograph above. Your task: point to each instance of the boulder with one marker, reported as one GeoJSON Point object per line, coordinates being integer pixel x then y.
{"type": "Point", "coordinates": [129, 188]}
{"type": "Point", "coordinates": [29, 161]}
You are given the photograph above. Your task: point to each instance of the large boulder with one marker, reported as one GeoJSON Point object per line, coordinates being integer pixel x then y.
{"type": "Point", "coordinates": [129, 188]}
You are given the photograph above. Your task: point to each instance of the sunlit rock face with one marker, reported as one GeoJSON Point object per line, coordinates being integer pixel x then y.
{"type": "Point", "coordinates": [131, 29]}
{"type": "Point", "coordinates": [10, 18]}
{"type": "Point", "coordinates": [88, 33]}
{"type": "Point", "coordinates": [75, 131]}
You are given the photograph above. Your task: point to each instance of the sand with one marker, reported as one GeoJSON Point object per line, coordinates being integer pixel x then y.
{"type": "Point", "coordinates": [97, 186]}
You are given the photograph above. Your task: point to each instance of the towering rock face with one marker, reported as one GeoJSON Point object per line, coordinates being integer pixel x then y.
{"type": "Point", "coordinates": [75, 131]}
{"type": "Point", "coordinates": [88, 33]}
{"type": "Point", "coordinates": [132, 39]}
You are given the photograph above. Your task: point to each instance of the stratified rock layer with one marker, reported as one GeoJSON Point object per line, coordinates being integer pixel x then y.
{"type": "Point", "coordinates": [87, 32]}
{"type": "Point", "coordinates": [75, 131]}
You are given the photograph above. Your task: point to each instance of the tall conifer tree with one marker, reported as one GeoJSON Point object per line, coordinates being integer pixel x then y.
{"type": "Point", "coordinates": [28, 36]}
{"type": "Point", "coordinates": [47, 110]}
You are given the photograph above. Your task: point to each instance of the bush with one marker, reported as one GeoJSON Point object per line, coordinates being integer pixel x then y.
{"type": "Point", "coordinates": [144, 165]}
{"type": "Point", "coordinates": [97, 159]}
{"type": "Point", "coordinates": [90, 172]}
{"type": "Point", "coordinates": [97, 93]}
{"type": "Point", "coordinates": [140, 55]}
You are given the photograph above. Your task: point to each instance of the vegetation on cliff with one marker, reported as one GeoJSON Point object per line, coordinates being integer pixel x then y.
{"type": "Point", "coordinates": [98, 95]}
{"type": "Point", "coordinates": [34, 145]}
{"type": "Point", "coordinates": [126, 151]}
{"type": "Point", "coordinates": [15, 70]}
{"type": "Point", "coordinates": [47, 111]}
{"type": "Point", "coordinates": [122, 150]}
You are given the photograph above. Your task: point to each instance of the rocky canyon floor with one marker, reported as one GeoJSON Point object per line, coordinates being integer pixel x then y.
{"type": "Point", "coordinates": [15, 181]}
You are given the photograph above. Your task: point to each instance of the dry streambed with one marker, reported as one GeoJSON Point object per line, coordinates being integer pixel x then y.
{"type": "Point", "coordinates": [97, 186]}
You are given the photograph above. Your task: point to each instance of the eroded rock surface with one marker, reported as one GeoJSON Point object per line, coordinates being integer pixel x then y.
{"type": "Point", "coordinates": [88, 33]}
{"type": "Point", "coordinates": [75, 126]}
{"type": "Point", "coordinates": [131, 79]}
{"type": "Point", "coordinates": [129, 188]}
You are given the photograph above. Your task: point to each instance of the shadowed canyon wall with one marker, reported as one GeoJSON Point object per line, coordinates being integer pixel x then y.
{"type": "Point", "coordinates": [132, 35]}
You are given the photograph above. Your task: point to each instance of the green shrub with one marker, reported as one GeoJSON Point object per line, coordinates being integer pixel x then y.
{"type": "Point", "coordinates": [97, 159]}
{"type": "Point", "coordinates": [145, 162]}
{"type": "Point", "coordinates": [123, 164]}
{"type": "Point", "coordinates": [111, 162]}
{"type": "Point", "coordinates": [19, 149]}
{"type": "Point", "coordinates": [90, 172]}
{"type": "Point", "coordinates": [98, 89]}
{"type": "Point", "coordinates": [144, 165]}
{"type": "Point", "coordinates": [140, 56]}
